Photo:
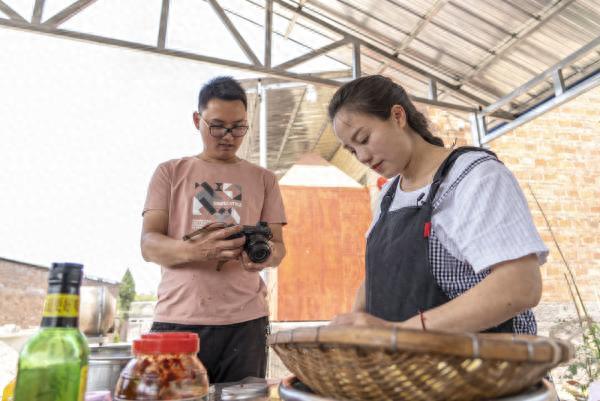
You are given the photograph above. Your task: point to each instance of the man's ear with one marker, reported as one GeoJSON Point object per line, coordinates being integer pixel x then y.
{"type": "Point", "coordinates": [399, 115]}
{"type": "Point", "coordinates": [196, 117]}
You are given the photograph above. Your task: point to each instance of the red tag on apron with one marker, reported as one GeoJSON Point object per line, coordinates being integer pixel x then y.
{"type": "Point", "coordinates": [427, 229]}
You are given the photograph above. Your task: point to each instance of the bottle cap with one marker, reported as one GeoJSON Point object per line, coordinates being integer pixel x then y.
{"type": "Point", "coordinates": [71, 273]}
{"type": "Point", "coordinates": [167, 343]}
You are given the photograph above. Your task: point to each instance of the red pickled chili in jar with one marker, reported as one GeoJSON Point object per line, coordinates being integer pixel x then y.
{"type": "Point", "coordinates": [165, 367]}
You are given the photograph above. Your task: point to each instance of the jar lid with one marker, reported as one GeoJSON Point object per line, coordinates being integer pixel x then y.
{"type": "Point", "coordinates": [170, 334]}
{"type": "Point", "coordinates": [244, 391]}
{"type": "Point", "coordinates": [167, 343]}
{"type": "Point", "coordinates": [100, 395]}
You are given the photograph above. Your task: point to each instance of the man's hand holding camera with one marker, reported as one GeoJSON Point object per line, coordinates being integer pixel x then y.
{"type": "Point", "coordinates": [257, 248]}
{"type": "Point", "coordinates": [215, 243]}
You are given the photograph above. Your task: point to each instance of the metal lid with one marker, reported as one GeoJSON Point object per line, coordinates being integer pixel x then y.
{"type": "Point", "coordinates": [244, 391]}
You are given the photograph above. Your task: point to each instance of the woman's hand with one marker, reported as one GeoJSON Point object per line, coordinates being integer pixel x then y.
{"type": "Point", "coordinates": [360, 319]}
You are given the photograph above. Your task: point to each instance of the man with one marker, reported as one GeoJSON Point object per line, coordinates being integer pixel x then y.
{"type": "Point", "coordinates": [209, 285]}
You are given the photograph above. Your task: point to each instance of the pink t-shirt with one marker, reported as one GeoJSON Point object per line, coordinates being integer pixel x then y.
{"type": "Point", "coordinates": [195, 193]}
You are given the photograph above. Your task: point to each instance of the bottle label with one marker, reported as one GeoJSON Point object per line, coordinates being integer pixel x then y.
{"type": "Point", "coordinates": [61, 305]}
{"type": "Point", "coordinates": [82, 382]}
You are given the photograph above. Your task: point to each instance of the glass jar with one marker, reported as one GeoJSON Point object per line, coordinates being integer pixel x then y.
{"type": "Point", "coordinates": [165, 367]}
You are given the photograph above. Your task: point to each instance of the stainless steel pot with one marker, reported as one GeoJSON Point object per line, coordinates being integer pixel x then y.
{"type": "Point", "coordinates": [291, 389]}
{"type": "Point", "coordinates": [106, 363]}
{"type": "Point", "coordinates": [97, 310]}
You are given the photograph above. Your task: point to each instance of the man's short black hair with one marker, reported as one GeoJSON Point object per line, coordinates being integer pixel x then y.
{"type": "Point", "coordinates": [224, 88]}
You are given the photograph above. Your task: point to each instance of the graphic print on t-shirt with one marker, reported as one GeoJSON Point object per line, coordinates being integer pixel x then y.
{"type": "Point", "coordinates": [216, 202]}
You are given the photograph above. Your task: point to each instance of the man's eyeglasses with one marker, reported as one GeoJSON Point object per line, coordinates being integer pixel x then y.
{"type": "Point", "coordinates": [218, 131]}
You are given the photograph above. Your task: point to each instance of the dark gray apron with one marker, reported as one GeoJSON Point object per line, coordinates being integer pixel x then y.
{"type": "Point", "coordinates": [399, 280]}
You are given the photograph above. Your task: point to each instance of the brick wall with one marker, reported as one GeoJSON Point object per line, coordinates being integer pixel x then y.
{"type": "Point", "coordinates": [23, 289]}
{"type": "Point", "coordinates": [558, 156]}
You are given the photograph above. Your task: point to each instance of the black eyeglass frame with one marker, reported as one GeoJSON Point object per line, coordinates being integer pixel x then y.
{"type": "Point", "coordinates": [222, 131]}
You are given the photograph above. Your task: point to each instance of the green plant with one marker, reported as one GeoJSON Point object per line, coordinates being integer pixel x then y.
{"type": "Point", "coordinates": [126, 292]}
{"type": "Point", "coordinates": [584, 368]}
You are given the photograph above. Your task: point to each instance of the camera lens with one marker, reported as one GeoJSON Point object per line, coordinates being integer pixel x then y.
{"type": "Point", "coordinates": [258, 251]}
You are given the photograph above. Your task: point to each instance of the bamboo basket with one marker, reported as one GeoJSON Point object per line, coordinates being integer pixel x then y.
{"type": "Point", "coordinates": [359, 363]}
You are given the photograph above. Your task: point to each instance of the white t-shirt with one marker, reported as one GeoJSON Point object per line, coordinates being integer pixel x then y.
{"type": "Point", "coordinates": [482, 220]}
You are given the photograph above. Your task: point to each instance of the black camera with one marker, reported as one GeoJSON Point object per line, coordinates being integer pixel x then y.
{"type": "Point", "coordinates": [257, 241]}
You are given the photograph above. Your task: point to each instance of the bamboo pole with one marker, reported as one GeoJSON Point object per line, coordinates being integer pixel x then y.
{"type": "Point", "coordinates": [585, 314]}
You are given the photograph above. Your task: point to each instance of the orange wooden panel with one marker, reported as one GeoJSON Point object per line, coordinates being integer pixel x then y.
{"type": "Point", "coordinates": [325, 246]}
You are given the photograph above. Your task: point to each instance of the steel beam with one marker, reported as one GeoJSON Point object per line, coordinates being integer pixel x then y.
{"type": "Point", "coordinates": [233, 30]}
{"type": "Point", "coordinates": [321, 132]}
{"type": "Point", "coordinates": [487, 21]}
{"type": "Point", "coordinates": [292, 23]}
{"type": "Point", "coordinates": [559, 82]}
{"type": "Point", "coordinates": [475, 133]}
{"type": "Point", "coordinates": [255, 121]}
{"type": "Point", "coordinates": [275, 82]}
{"type": "Point", "coordinates": [433, 10]}
{"type": "Point", "coordinates": [553, 10]}
{"type": "Point", "coordinates": [164, 21]}
{"type": "Point", "coordinates": [12, 14]}
{"type": "Point", "coordinates": [268, 31]}
{"type": "Point", "coordinates": [583, 86]}
{"type": "Point", "coordinates": [312, 54]}
{"type": "Point", "coordinates": [262, 129]}
{"type": "Point", "coordinates": [373, 36]}
{"type": "Point", "coordinates": [68, 13]}
{"type": "Point", "coordinates": [38, 11]}
{"type": "Point", "coordinates": [443, 105]}
{"type": "Point", "coordinates": [356, 67]}
{"type": "Point", "coordinates": [290, 125]}
{"type": "Point", "coordinates": [308, 78]}
{"type": "Point", "coordinates": [166, 52]}
{"type": "Point", "coordinates": [543, 76]}
{"type": "Point", "coordinates": [466, 38]}
{"type": "Point", "coordinates": [481, 126]}
{"type": "Point", "coordinates": [408, 10]}
{"type": "Point", "coordinates": [433, 92]}
{"type": "Point", "coordinates": [382, 53]}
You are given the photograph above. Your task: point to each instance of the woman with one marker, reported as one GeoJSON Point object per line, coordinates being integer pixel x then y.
{"type": "Point", "coordinates": [452, 245]}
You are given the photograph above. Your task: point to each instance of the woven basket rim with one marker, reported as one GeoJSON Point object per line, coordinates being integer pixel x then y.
{"type": "Point", "coordinates": [505, 346]}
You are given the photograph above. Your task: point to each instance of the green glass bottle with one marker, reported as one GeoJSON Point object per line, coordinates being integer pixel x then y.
{"type": "Point", "coordinates": [53, 364]}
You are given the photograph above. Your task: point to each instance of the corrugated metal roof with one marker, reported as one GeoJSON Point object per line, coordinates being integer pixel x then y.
{"type": "Point", "coordinates": [489, 47]}
{"type": "Point", "coordinates": [477, 50]}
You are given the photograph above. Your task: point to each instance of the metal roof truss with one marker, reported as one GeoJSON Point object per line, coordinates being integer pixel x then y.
{"type": "Point", "coordinates": [364, 49]}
